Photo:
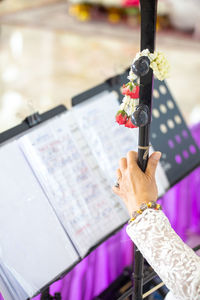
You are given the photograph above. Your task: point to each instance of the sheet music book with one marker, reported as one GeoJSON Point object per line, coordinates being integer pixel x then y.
{"type": "Point", "coordinates": [70, 176]}
{"type": "Point", "coordinates": [57, 204]}
{"type": "Point", "coordinates": [107, 140]}
{"type": "Point", "coordinates": [56, 201]}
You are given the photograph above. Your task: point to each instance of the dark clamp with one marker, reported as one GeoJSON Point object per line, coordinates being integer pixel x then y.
{"type": "Point", "coordinates": [140, 117]}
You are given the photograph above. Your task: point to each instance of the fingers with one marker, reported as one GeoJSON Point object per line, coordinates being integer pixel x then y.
{"type": "Point", "coordinates": [130, 161]}
{"type": "Point", "coordinates": [116, 190]}
{"type": "Point", "coordinates": [152, 164]}
{"type": "Point", "coordinates": [133, 167]}
{"type": "Point", "coordinates": [123, 163]}
{"type": "Point", "coordinates": [119, 174]}
{"type": "Point", "coordinates": [132, 157]}
{"type": "Point", "coordinates": [119, 177]}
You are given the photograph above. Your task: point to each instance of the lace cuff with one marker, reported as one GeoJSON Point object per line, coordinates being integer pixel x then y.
{"type": "Point", "coordinates": [175, 263]}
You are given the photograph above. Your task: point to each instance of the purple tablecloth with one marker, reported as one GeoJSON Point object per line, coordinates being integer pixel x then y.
{"type": "Point", "coordinates": [91, 276]}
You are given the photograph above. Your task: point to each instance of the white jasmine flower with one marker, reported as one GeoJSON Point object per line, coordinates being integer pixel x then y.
{"type": "Point", "coordinates": [126, 99]}
{"type": "Point", "coordinates": [132, 108]}
{"type": "Point", "coordinates": [160, 66]}
{"type": "Point", "coordinates": [153, 65]}
{"type": "Point", "coordinates": [145, 52]}
{"type": "Point", "coordinates": [132, 76]}
{"type": "Point", "coordinates": [122, 106]}
{"type": "Point", "coordinates": [152, 56]}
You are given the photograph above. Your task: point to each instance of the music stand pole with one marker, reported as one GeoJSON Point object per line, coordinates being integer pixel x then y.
{"type": "Point", "coordinates": [148, 30]}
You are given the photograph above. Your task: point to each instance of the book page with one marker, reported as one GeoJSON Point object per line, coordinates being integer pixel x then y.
{"type": "Point", "coordinates": [107, 140]}
{"type": "Point", "coordinates": [34, 247]}
{"type": "Point", "coordinates": [9, 286]}
{"type": "Point", "coordinates": [73, 182]}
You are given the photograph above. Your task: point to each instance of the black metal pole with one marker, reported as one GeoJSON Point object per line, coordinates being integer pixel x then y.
{"type": "Point", "coordinates": [46, 295]}
{"type": "Point", "coordinates": [148, 30]}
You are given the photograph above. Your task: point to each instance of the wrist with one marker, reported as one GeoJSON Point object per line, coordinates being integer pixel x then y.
{"type": "Point", "coordinates": [134, 204]}
{"type": "Point", "coordinates": [143, 207]}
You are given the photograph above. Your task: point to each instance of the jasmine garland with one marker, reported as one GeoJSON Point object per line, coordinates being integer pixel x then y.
{"type": "Point", "coordinates": [160, 66]}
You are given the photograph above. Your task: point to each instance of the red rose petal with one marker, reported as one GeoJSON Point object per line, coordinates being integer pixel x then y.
{"type": "Point", "coordinates": [121, 118]}
{"type": "Point", "coordinates": [134, 94]}
{"type": "Point", "coordinates": [129, 124]}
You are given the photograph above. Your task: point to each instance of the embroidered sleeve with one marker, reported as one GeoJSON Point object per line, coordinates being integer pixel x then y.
{"type": "Point", "coordinates": [175, 263]}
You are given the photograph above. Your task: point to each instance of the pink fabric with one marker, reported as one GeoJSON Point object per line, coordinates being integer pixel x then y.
{"type": "Point", "coordinates": [92, 275]}
{"type": "Point", "coordinates": [130, 3]}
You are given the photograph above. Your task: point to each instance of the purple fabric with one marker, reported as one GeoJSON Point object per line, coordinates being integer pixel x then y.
{"type": "Point", "coordinates": [93, 274]}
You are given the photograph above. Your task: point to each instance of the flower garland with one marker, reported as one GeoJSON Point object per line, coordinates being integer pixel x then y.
{"type": "Point", "coordinates": [160, 66]}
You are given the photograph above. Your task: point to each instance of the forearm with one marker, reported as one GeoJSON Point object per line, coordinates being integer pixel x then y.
{"type": "Point", "coordinates": [176, 264]}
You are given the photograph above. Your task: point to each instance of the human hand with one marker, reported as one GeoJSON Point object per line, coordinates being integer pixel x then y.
{"type": "Point", "coordinates": [135, 186]}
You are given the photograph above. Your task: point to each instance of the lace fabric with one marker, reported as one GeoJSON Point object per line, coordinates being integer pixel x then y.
{"type": "Point", "coordinates": [175, 263]}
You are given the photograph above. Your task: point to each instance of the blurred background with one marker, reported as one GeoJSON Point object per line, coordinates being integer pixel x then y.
{"type": "Point", "coordinates": [51, 50]}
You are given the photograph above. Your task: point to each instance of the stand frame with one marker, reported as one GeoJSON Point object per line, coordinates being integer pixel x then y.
{"type": "Point", "coordinates": [148, 29]}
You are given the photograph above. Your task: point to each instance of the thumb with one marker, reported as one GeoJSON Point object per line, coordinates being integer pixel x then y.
{"type": "Point", "coordinates": [152, 164]}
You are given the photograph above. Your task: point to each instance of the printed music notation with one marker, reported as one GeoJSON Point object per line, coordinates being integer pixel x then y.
{"type": "Point", "coordinates": [107, 140]}
{"type": "Point", "coordinates": [73, 181]}
{"type": "Point", "coordinates": [75, 157]}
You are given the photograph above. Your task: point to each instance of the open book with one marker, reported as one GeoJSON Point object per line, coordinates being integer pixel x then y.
{"type": "Point", "coordinates": [56, 200]}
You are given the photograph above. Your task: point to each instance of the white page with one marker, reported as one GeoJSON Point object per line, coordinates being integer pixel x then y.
{"type": "Point", "coordinates": [33, 245]}
{"type": "Point", "coordinates": [80, 195]}
{"type": "Point", "coordinates": [107, 140]}
{"type": "Point", "coordinates": [9, 286]}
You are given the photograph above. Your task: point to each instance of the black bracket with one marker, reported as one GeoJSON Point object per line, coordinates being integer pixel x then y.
{"type": "Point", "coordinates": [33, 119]}
{"type": "Point", "coordinates": [140, 117]}
{"type": "Point", "coordinates": [141, 66]}
{"type": "Point", "coordinates": [113, 81]}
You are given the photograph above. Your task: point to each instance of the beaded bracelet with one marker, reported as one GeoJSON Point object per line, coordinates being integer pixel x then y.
{"type": "Point", "coordinates": [143, 207]}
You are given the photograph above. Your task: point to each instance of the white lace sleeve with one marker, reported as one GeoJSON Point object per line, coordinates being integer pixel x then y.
{"type": "Point", "coordinates": [175, 263]}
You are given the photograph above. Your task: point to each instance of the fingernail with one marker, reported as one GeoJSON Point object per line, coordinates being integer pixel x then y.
{"type": "Point", "coordinates": [157, 155]}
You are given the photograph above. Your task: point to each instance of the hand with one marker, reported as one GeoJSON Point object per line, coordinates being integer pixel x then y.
{"type": "Point", "coordinates": [135, 186]}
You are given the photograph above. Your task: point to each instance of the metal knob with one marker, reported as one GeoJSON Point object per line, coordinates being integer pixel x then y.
{"type": "Point", "coordinates": [141, 66]}
{"type": "Point", "coordinates": [140, 117]}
